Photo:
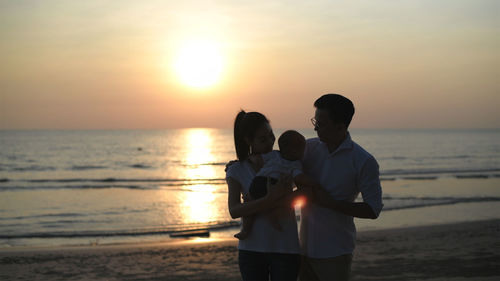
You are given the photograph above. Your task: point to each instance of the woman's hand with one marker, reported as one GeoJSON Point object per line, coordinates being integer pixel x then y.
{"type": "Point", "coordinates": [229, 164]}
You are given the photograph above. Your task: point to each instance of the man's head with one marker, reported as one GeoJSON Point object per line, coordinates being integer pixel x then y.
{"type": "Point", "coordinates": [292, 145]}
{"type": "Point", "coordinates": [333, 116]}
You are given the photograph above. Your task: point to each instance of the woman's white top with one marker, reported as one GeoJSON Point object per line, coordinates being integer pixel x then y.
{"type": "Point", "coordinates": [264, 237]}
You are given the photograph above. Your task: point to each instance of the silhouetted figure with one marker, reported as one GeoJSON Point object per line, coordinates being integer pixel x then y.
{"type": "Point", "coordinates": [344, 169]}
{"type": "Point", "coordinates": [266, 252]}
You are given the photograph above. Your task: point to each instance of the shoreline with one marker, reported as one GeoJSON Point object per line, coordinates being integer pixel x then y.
{"type": "Point", "coordinates": [200, 241]}
{"type": "Point", "coordinates": [435, 252]}
{"type": "Point", "coordinates": [408, 203]}
{"type": "Point", "coordinates": [393, 220]}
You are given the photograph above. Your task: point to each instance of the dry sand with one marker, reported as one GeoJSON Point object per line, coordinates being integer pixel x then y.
{"type": "Point", "coordinates": [465, 251]}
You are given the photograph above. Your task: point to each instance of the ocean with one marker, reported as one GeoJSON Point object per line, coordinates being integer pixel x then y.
{"type": "Point", "coordinates": [87, 187]}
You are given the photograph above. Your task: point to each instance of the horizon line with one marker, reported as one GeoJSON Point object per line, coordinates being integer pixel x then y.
{"type": "Point", "coordinates": [229, 128]}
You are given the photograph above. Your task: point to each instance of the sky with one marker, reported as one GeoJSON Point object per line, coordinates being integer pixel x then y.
{"type": "Point", "coordinates": [112, 64]}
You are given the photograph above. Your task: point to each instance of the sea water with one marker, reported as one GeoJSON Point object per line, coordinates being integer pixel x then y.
{"type": "Point", "coordinates": [90, 187]}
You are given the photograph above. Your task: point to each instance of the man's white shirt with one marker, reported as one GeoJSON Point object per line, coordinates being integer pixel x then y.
{"type": "Point", "coordinates": [344, 173]}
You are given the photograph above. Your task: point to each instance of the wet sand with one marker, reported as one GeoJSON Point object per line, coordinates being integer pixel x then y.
{"type": "Point", "coordinates": [463, 251]}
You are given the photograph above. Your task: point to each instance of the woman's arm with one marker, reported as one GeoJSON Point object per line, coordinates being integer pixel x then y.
{"type": "Point", "coordinates": [238, 209]}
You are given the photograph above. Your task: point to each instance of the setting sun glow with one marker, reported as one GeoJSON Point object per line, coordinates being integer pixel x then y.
{"type": "Point", "coordinates": [199, 64]}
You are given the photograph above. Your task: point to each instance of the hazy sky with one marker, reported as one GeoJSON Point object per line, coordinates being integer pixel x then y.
{"type": "Point", "coordinates": [109, 64]}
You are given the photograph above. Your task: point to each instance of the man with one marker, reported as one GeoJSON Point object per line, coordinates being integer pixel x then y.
{"type": "Point", "coordinates": [344, 169]}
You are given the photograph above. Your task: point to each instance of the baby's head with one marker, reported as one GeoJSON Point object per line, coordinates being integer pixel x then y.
{"type": "Point", "coordinates": [292, 145]}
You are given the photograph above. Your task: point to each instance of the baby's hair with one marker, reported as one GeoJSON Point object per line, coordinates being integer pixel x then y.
{"type": "Point", "coordinates": [290, 138]}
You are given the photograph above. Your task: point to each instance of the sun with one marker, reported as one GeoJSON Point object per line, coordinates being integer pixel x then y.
{"type": "Point", "coordinates": [199, 64]}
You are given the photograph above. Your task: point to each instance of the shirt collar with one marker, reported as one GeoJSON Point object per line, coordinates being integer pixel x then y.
{"type": "Point", "coordinates": [346, 144]}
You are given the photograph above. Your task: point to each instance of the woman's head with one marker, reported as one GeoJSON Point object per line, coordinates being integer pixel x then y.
{"type": "Point", "coordinates": [252, 134]}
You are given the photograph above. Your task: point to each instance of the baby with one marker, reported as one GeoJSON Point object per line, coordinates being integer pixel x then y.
{"type": "Point", "coordinates": [285, 161]}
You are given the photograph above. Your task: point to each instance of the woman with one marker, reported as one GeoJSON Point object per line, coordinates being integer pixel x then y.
{"type": "Point", "coordinates": [266, 252]}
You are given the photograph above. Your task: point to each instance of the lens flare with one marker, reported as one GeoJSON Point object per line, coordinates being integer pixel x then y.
{"type": "Point", "coordinates": [299, 202]}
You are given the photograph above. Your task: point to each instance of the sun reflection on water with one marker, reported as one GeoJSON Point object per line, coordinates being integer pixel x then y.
{"type": "Point", "coordinates": [199, 201]}
{"type": "Point", "coordinates": [199, 154]}
{"type": "Point", "coordinates": [199, 204]}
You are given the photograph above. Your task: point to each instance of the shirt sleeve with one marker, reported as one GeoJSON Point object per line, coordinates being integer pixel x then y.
{"type": "Point", "coordinates": [231, 170]}
{"type": "Point", "coordinates": [296, 168]}
{"type": "Point", "coordinates": [369, 185]}
{"type": "Point", "coordinates": [269, 156]}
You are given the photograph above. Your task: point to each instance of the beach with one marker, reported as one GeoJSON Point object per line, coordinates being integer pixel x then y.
{"type": "Point", "coordinates": [131, 134]}
{"type": "Point", "coordinates": [103, 205]}
{"type": "Point", "coordinates": [461, 251]}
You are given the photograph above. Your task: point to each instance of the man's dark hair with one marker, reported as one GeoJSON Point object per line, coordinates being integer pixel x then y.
{"type": "Point", "coordinates": [340, 109]}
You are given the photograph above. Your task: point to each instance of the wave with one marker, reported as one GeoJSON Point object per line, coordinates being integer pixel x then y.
{"type": "Point", "coordinates": [119, 180]}
{"type": "Point", "coordinates": [38, 168]}
{"type": "Point", "coordinates": [420, 158]}
{"type": "Point", "coordinates": [414, 172]}
{"type": "Point", "coordinates": [384, 175]}
{"type": "Point", "coordinates": [44, 216]}
{"type": "Point", "coordinates": [31, 168]}
{"type": "Point", "coordinates": [80, 183]}
{"type": "Point", "coordinates": [398, 203]}
{"type": "Point", "coordinates": [72, 215]}
{"type": "Point", "coordinates": [133, 232]}
{"type": "Point", "coordinates": [87, 167]}
{"type": "Point", "coordinates": [58, 227]}
{"type": "Point", "coordinates": [480, 176]}
{"type": "Point", "coordinates": [420, 178]}
{"type": "Point", "coordinates": [158, 183]}
{"type": "Point", "coordinates": [387, 179]}
{"type": "Point", "coordinates": [137, 187]}
{"type": "Point", "coordinates": [206, 164]}
{"type": "Point", "coordinates": [140, 166]}
{"type": "Point", "coordinates": [65, 223]}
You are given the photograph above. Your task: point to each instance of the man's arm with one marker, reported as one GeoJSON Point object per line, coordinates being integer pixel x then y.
{"type": "Point", "coordinates": [354, 209]}
{"type": "Point", "coordinates": [324, 199]}
{"type": "Point", "coordinates": [303, 181]}
{"type": "Point", "coordinates": [369, 186]}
